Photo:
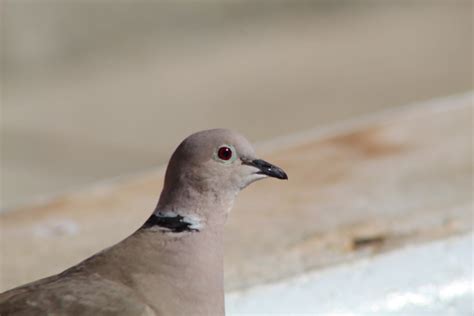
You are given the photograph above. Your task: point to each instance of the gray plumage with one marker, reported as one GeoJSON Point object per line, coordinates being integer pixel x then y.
{"type": "Point", "coordinates": [173, 264]}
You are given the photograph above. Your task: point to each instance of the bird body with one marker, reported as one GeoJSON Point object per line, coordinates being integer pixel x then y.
{"type": "Point", "coordinates": [173, 264]}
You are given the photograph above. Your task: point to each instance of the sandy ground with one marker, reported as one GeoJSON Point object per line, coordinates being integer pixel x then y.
{"type": "Point", "coordinates": [86, 96]}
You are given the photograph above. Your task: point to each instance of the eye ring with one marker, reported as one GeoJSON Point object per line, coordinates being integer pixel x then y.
{"type": "Point", "coordinates": [225, 153]}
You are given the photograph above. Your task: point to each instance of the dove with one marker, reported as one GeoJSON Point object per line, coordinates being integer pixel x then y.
{"type": "Point", "coordinates": [173, 263]}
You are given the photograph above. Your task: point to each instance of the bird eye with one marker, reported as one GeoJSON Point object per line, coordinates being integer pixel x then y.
{"type": "Point", "coordinates": [224, 153]}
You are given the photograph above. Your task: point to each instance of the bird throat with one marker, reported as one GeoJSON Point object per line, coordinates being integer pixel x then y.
{"type": "Point", "coordinates": [172, 222]}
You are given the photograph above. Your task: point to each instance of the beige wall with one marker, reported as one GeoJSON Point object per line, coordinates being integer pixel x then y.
{"type": "Point", "coordinates": [96, 89]}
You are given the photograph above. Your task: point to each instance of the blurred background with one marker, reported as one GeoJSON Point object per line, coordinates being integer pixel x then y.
{"type": "Point", "coordinates": [96, 89]}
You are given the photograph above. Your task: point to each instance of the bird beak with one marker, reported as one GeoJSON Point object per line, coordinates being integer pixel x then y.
{"type": "Point", "coordinates": [266, 168]}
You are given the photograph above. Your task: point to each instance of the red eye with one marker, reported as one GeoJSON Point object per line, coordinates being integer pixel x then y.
{"type": "Point", "coordinates": [224, 153]}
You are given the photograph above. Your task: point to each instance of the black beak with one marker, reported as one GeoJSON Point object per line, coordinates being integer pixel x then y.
{"type": "Point", "coordinates": [267, 168]}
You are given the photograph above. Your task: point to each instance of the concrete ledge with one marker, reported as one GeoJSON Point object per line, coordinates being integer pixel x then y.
{"type": "Point", "coordinates": [400, 178]}
{"type": "Point", "coordinates": [434, 277]}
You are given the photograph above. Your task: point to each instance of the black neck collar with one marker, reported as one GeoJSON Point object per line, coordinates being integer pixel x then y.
{"type": "Point", "coordinates": [173, 223]}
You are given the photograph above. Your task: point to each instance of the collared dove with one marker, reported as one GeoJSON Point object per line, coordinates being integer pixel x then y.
{"type": "Point", "coordinates": [173, 264]}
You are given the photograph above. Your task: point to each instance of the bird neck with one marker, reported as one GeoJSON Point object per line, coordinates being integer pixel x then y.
{"type": "Point", "coordinates": [181, 246]}
{"type": "Point", "coordinates": [193, 207]}
{"type": "Point", "coordinates": [187, 265]}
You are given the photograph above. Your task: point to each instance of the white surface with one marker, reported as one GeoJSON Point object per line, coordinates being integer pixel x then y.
{"type": "Point", "coordinates": [429, 279]}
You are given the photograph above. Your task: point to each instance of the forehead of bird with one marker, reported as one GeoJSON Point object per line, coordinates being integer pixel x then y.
{"type": "Point", "coordinates": [200, 146]}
